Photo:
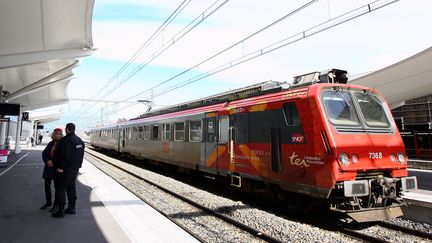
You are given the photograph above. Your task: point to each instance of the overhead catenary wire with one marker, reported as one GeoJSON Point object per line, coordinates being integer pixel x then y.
{"type": "Point", "coordinates": [229, 47]}
{"type": "Point", "coordinates": [173, 15]}
{"type": "Point", "coordinates": [340, 19]}
{"type": "Point", "coordinates": [200, 18]}
{"type": "Point", "coordinates": [189, 27]}
{"type": "Point", "coordinates": [333, 22]}
{"type": "Point", "coordinates": [194, 23]}
{"type": "Point", "coordinates": [138, 52]}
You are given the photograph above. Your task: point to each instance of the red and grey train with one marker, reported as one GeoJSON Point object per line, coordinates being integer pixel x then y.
{"type": "Point", "coordinates": [320, 138]}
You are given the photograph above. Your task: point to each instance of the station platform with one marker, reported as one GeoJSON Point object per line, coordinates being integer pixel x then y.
{"type": "Point", "coordinates": [418, 206]}
{"type": "Point", "coordinates": [106, 211]}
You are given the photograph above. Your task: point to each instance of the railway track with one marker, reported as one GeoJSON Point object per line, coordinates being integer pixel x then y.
{"type": "Point", "coordinates": [382, 226]}
{"type": "Point", "coordinates": [405, 230]}
{"type": "Point", "coordinates": [360, 235]}
{"type": "Point", "coordinates": [252, 231]}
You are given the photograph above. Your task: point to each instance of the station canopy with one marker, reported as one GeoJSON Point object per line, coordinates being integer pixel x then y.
{"type": "Point", "coordinates": [405, 80]}
{"type": "Point", "coordinates": [41, 41]}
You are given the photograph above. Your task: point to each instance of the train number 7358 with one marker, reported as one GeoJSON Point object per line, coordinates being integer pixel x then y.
{"type": "Point", "coordinates": [375, 155]}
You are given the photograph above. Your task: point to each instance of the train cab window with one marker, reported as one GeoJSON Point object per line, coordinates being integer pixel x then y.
{"type": "Point", "coordinates": [339, 108]}
{"type": "Point", "coordinates": [166, 135]}
{"type": "Point", "coordinates": [195, 131]}
{"type": "Point", "coordinates": [140, 133]}
{"type": "Point", "coordinates": [179, 131]}
{"type": "Point", "coordinates": [372, 110]}
{"type": "Point", "coordinates": [146, 132]}
{"type": "Point", "coordinates": [291, 114]}
{"type": "Point", "coordinates": [155, 134]}
{"type": "Point", "coordinates": [223, 129]}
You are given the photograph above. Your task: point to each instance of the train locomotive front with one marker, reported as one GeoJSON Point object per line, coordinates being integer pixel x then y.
{"type": "Point", "coordinates": [364, 153]}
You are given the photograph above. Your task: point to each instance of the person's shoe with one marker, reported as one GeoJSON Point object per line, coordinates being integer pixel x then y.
{"type": "Point", "coordinates": [53, 209]}
{"type": "Point", "coordinates": [45, 206]}
{"type": "Point", "coordinates": [70, 210]}
{"type": "Point", "coordinates": [59, 214]}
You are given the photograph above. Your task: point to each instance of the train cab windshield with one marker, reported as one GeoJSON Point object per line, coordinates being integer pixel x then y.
{"type": "Point", "coordinates": [340, 110]}
{"type": "Point", "coordinates": [355, 108]}
{"type": "Point", "coordinates": [372, 110]}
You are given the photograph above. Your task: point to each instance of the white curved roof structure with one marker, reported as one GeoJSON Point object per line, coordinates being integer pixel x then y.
{"type": "Point", "coordinates": [41, 41]}
{"type": "Point", "coordinates": [405, 80]}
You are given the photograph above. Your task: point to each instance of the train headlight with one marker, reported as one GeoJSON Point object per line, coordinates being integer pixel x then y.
{"type": "Point", "coordinates": [392, 158]}
{"type": "Point", "coordinates": [401, 158]}
{"type": "Point", "coordinates": [344, 159]}
{"type": "Point", "coordinates": [355, 158]}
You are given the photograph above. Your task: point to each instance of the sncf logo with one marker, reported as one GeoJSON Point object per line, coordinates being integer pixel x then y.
{"type": "Point", "coordinates": [297, 138]}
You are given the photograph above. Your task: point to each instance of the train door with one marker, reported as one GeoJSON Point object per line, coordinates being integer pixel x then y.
{"type": "Point", "coordinates": [233, 148]}
{"type": "Point", "coordinates": [210, 144]}
{"type": "Point", "coordinates": [223, 155]}
{"type": "Point", "coordinates": [239, 140]}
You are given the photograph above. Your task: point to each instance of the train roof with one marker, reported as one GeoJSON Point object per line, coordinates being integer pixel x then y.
{"type": "Point", "coordinates": [241, 93]}
{"type": "Point", "coordinates": [218, 101]}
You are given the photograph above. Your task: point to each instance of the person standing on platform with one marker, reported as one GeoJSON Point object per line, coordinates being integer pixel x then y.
{"type": "Point", "coordinates": [40, 138]}
{"type": "Point", "coordinates": [69, 156]}
{"type": "Point", "coordinates": [49, 170]}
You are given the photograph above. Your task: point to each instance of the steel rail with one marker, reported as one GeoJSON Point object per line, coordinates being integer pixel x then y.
{"type": "Point", "coordinates": [361, 236]}
{"type": "Point", "coordinates": [244, 227]}
{"type": "Point", "coordinates": [405, 230]}
{"type": "Point", "coordinates": [146, 201]}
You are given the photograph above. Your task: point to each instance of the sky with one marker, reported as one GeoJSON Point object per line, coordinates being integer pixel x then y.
{"type": "Point", "coordinates": [364, 44]}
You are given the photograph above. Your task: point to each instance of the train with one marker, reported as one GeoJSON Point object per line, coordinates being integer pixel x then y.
{"type": "Point", "coordinates": [317, 140]}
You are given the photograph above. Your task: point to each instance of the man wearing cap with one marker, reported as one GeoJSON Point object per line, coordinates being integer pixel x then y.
{"type": "Point", "coordinates": [69, 158]}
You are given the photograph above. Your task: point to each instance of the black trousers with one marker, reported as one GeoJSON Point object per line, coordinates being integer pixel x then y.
{"type": "Point", "coordinates": [66, 183]}
{"type": "Point", "coordinates": [48, 196]}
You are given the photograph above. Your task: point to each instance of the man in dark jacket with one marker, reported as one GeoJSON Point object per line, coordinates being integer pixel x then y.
{"type": "Point", "coordinates": [68, 159]}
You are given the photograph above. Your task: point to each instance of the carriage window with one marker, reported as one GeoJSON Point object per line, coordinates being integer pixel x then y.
{"type": "Point", "coordinates": [140, 132]}
{"type": "Point", "coordinates": [211, 130]}
{"type": "Point", "coordinates": [223, 129]}
{"type": "Point", "coordinates": [135, 133]}
{"type": "Point", "coordinates": [156, 132]}
{"type": "Point", "coordinates": [166, 132]}
{"type": "Point", "coordinates": [179, 131]}
{"type": "Point", "coordinates": [146, 132]}
{"type": "Point", "coordinates": [372, 110]}
{"type": "Point", "coordinates": [241, 128]}
{"type": "Point", "coordinates": [339, 108]}
{"type": "Point", "coordinates": [195, 131]}
{"type": "Point", "coordinates": [291, 114]}
{"type": "Point", "coordinates": [129, 133]}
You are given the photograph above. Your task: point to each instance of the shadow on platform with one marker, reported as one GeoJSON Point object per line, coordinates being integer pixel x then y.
{"type": "Point", "coordinates": [21, 220]}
